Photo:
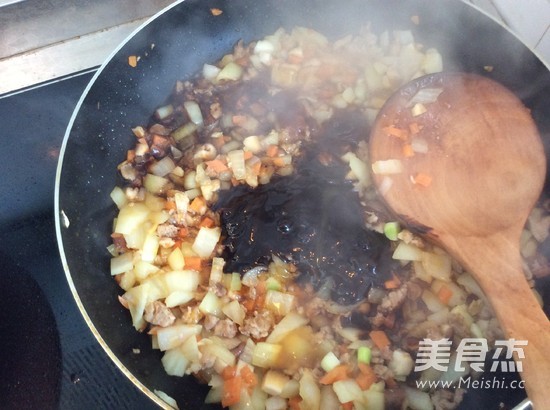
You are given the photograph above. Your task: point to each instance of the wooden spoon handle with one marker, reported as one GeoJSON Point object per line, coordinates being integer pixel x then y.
{"type": "Point", "coordinates": [517, 309]}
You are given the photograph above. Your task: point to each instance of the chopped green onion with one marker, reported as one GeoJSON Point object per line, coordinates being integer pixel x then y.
{"type": "Point", "coordinates": [364, 354]}
{"type": "Point", "coordinates": [329, 362]}
{"type": "Point", "coordinates": [272, 284]}
{"type": "Point", "coordinates": [391, 230]}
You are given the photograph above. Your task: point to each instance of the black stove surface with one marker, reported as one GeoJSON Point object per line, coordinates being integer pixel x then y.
{"type": "Point", "coordinates": [49, 359]}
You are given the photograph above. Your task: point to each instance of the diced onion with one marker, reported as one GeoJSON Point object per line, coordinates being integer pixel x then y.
{"type": "Point", "coordinates": [232, 72]}
{"type": "Point", "coordinates": [162, 167]}
{"type": "Point", "coordinates": [419, 145]}
{"type": "Point", "coordinates": [387, 167]}
{"type": "Point", "coordinates": [210, 72]}
{"type": "Point", "coordinates": [194, 112]}
{"type": "Point", "coordinates": [425, 96]}
{"type": "Point", "coordinates": [206, 241]}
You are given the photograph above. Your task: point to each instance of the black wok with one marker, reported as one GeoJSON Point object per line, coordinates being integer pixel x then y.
{"type": "Point", "coordinates": [174, 46]}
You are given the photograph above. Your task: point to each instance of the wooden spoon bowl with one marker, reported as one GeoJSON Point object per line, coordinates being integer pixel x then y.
{"type": "Point", "coordinates": [467, 166]}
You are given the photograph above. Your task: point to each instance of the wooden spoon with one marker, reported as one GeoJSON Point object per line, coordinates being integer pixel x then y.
{"type": "Point", "coordinates": [475, 170]}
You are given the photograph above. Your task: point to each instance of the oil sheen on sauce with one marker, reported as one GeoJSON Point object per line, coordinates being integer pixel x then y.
{"type": "Point", "coordinates": [312, 218]}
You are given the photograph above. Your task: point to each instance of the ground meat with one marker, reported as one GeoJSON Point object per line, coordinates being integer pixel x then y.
{"type": "Point", "coordinates": [390, 303]}
{"type": "Point", "coordinates": [157, 313]}
{"type": "Point", "coordinates": [258, 326]}
{"type": "Point", "coordinates": [225, 328]}
{"type": "Point", "coordinates": [383, 372]}
{"type": "Point", "coordinates": [394, 398]}
{"type": "Point", "coordinates": [459, 325]}
{"type": "Point", "coordinates": [447, 399]}
{"type": "Point", "coordinates": [167, 231]}
{"type": "Point", "coordinates": [210, 322]}
{"type": "Point", "coordinates": [218, 289]}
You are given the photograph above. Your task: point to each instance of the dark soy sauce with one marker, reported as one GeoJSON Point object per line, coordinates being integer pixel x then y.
{"type": "Point", "coordinates": [312, 218]}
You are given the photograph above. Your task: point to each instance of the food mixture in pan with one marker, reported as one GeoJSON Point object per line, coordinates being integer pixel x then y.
{"type": "Point", "coordinates": [254, 250]}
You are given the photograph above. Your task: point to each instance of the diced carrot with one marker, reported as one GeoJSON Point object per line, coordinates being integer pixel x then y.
{"type": "Point", "coordinates": [170, 205]}
{"type": "Point", "coordinates": [414, 128]}
{"type": "Point", "coordinates": [272, 151]}
{"type": "Point", "coordinates": [207, 222]}
{"type": "Point", "coordinates": [132, 61]}
{"type": "Point", "coordinates": [193, 263]}
{"type": "Point", "coordinates": [347, 405]}
{"type": "Point", "coordinates": [248, 155]}
{"type": "Point", "coordinates": [396, 132]}
{"type": "Point", "coordinates": [231, 391]}
{"type": "Point", "coordinates": [366, 376]}
{"type": "Point", "coordinates": [379, 338]}
{"type": "Point", "coordinates": [249, 304]}
{"type": "Point", "coordinates": [239, 120]}
{"type": "Point", "coordinates": [249, 378]}
{"type": "Point", "coordinates": [422, 179]}
{"type": "Point", "coordinates": [197, 204]}
{"type": "Point", "coordinates": [444, 294]}
{"type": "Point", "coordinates": [408, 151]}
{"type": "Point", "coordinates": [130, 155]}
{"type": "Point", "coordinates": [228, 372]}
{"type": "Point", "coordinates": [216, 165]}
{"type": "Point", "coordinates": [338, 373]}
{"type": "Point", "coordinates": [183, 232]}
{"type": "Point", "coordinates": [392, 283]}
{"type": "Point", "coordinates": [294, 403]}
{"type": "Point", "coordinates": [279, 162]}
{"type": "Point", "coordinates": [256, 167]}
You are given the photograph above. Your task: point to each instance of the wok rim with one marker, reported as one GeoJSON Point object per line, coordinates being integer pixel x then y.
{"type": "Point", "coordinates": [63, 222]}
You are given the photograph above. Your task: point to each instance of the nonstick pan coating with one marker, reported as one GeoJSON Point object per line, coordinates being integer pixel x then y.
{"type": "Point", "coordinates": [175, 45]}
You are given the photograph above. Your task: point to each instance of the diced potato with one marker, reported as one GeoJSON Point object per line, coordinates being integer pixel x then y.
{"type": "Point", "coordinates": [150, 247]}
{"type": "Point", "coordinates": [310, 391]}
{"type": "Point", "coordinates": [418, 400]}
{"type": "Point", "coordinates": [234, 311]}
{"type": "Point", "coordinates": [122, 263]}
{"type": "Point", "coordinates": [329, 400]}
{"type": "Point", "coordinates": [143, 269]}
{"type": "Point", "coordinates": [287, 324]}
{"type": "Point", "coordinates": [175, 259]}
{"type": "Point", "coordinates": [137, 298]}
{"type": "Point", "coordinates": [131, 216]}
{"type": "Point", "coordinates": [266, 355]}
{"type": "Point", "coordinates": [175, 363]}
{"type": "Point", "coordinates": [173, 336]}
{"type": "Point", "coordinates": [206, 241]}
{"type": "Point", "coordinates": [347, 390]}
{"type": "Point", "coordinates": [401, 364]}
{"type": "Point", "coordinates": [437, 265]}
{"type": "Point", "coordinates": [178, 297]}
{"type": "Point", "coordinates": [374, 399]}
{"type": "Point", "coordinates": [223, 356]}
{"type": "Point", "coordinates": [211, 305]}
{"type": "Point", "coordinates": [154, 184]}
{"type": "Point", "coordinates": [274, 382]}
{"type": "Point", "coordinates": [407, 252]}
{"type": "Point", "coordinates": [119, 197]}
{"type": "Point", "coordinates": [278, 302]}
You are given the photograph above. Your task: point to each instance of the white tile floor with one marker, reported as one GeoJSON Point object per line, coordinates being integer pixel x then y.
{"type": "Point", "coordinates": [529, 19]}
